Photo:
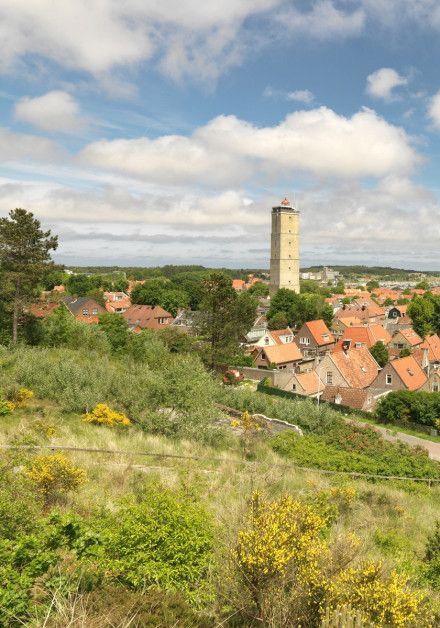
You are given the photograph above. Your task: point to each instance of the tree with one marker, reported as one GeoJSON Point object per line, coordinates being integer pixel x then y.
{"type": "Point", "coordinates": [404, 353]}
{"type": "Point", "coordinates": [259, 289]}
{"type": "Point", "coordinates": [380, 353]}
{"type": "Point", "coordinates": [372, 285]}
{"type": "Point", "coordinates": [226, 317]}
{"type": "Point", "coordinates": [423, 285]}
{"type": "Point", "coordinates": [115, 328]}
{"type": "Point", "coordinates": [299, 308]}
{"type": "Point", "coordinates": [278, 321]}
{"type": "Point", "coordinates": [79, 285]}
{"type": "Point", "coordinates": [24, 260]}
{"type": "Point", "coordinates": [421, 310]}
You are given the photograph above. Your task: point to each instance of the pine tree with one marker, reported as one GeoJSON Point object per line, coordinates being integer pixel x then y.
{"type": "Point", "coordinates": [24, 260]}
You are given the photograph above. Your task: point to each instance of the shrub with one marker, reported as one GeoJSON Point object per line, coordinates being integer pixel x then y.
{"type": "Point", "coordinates": [6, 407]}
{"type": "Point", "coordinates": [164, 541]}
{"type": "Point", "coordinates": [54, 475]}
{"type": "Point", "coordinates": [387, 601]}
{"type": "Point", "coordinates": [409, 406]}
{"type": "Point", "coordinates": [103, 415]}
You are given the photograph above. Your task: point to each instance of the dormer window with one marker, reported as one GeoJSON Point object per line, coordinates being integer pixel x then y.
{"type": "Point", "coordinates": [85, 312]}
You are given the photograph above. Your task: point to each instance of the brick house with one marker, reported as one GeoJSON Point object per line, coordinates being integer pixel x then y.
{"type": "Point", "coordinates": [432, 384]}
{"type": "Point", "coordinates": [365, 336]}
{"type": "Point", "coordinates": [282, 356]}
{"type": "Point", "coordinates": [401, 374]}
{"type": "Point", "coordinates": [116, 302]}
{"type": "Point", "coordinates": [141, 317]}
{"type": "Point", "coordinates": [314, 339]}
{"type": "Point", "coordinates": [43, 309]}
{"type": "Point", "coordinates": [350, 368]}
{"type": "Point", "coordinates": [404, 339]}
{"type": "Point", "coordinates": [84, 309]}
{"type": "Point", "coordinates": [356, 398]}
{"type": "Point", "coordinates": [340, 325]}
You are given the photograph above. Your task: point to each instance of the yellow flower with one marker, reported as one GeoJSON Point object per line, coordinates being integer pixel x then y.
{"type": "Point", "coordinates": [103, 415]}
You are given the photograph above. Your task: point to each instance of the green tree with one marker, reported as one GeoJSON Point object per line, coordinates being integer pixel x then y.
{"type": "Point", "coordinates": [226, 317]}
{"type": "Point", "coordinates": [278, 321]}
{"type": "Point", "coordinates": [24, 260]}
{"type": "Point", "coordinates": [259, 289]}
{"type": "Point", "coordinates": [116, 329]}
{"type": "Point", "coordinates": [421, 310]}
{"type": "Point", "coordinates": [79, 285]}
{"type": "Point", "coordinates": [404, 353]}
{"type": "Point", "coordinates": [423, 285]}
{"type": "Point", "coordinates": [380, 353]}
{"type": "Point", "coordinates": [372, 285]}
{"type": "Point", "coordinates": [299, 308]}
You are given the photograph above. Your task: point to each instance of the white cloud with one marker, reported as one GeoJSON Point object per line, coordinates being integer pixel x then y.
{"type": "Point", "coordinates": [229, 151]}
{"type": "Point", "coordinates": [304, 96]}
{"type": "Point", "coordinates": [54, 111]}
{"type": "Point", "coordinates": [323, 21]}
{"type": "Point", "coordinates": [382, 82]}
{"type": "Point", "coordinates": [301, 95]}
{"type": "Point", "coordinates": [200, 38]}
{"type": "Point", "coordinates": [434, 110]}
{"type": "Point", "coordinates": [15, 147]}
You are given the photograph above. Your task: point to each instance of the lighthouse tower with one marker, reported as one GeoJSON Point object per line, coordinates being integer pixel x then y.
{"type": "Point", "coordinates": [284, 254]}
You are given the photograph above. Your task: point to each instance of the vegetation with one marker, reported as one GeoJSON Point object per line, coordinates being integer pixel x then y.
{"type": "Point", "coordinates": [24, 260]}
{"type": "Point", "coordinates": [296, 309]}
{"type": "Point", "coordinates": [405, 406]}
{"type": "Point", "coordinates": [425, 314]}
{"type": "Point", "coordinates": [380, 353]}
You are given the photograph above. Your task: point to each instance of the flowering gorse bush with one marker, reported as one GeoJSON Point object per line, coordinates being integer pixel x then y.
{"type": "Point", "coordinates": [21, 397]}
{"type": "Point", "coordinates": [6, 407]}
{"type": "Point", "coordinates": [103, 415]}
{"type": "Point", "coordinates": [55, 475]}
{"type": "Point", "coordinates": [384, 600]}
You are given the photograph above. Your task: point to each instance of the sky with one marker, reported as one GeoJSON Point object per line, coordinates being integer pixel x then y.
{"type": "Point", "coordinates": [148, 132]}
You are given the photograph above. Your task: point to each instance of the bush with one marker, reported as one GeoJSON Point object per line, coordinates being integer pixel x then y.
{"type": "Point", "coordinates": [54, 475]}
{"type": "Point", "coordinates": [406, 406]}
{"type": "Point", "coordinates": [103, 415]}
{"type": "Point", "coordinates": [164, 541]}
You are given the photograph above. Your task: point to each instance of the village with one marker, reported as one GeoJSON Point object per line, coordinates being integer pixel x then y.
{"type": "Point", "coordinates": [366, 349]}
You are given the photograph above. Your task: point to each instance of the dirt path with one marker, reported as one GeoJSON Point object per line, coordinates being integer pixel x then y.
{"type": "Point", "coordinates": [414, 441]}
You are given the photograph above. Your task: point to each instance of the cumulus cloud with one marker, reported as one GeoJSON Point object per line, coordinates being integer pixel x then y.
{"type": "Point", "coordinates": [54, 111]}
{"type": "Point", "coordinates": [434, 110]}
{"type": "Point", "coordinates": [229, 151]}
{"type": "Point", "coordinates": [381, 83]}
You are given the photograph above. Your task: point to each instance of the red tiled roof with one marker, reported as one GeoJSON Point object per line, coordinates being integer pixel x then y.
{"type": "Point", "coordinates": [277, 333]}
{"type": "Point", "coordinates": [41, 310]}
{"type": "Point", "coordinates": [357, 366]}
{"type": "Point", "coordinates": [280, 354]}
{"type": "Point", "coordinates": [409, 372]}
{"type": "Point", "coordinates": [310, 382]}
{"type": "Point", "coordinates": [147, 316]}
{"type": "Point", "coordinates": [238, 284]}
{"type": "Point", "coordinates": [351, 397]}
{"type": "Point", "coordinates": [432, 343]}
{"type": "Point", "coordinates": [410, 336]}
{"type": "Point", "coordinates": [88, 320]}
{"type": "Point", "coordinates": [366, 335]}
{"type": "Point", "coordinates": [320, 332]}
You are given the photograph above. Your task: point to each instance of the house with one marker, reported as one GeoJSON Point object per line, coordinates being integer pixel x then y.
{"type": "Point", "coordinates": [314, 339]}
{"type": "Point", "coordinates": [116, 302]}
{"type": "Point", "coordinates": [41, 310]}
{"type": "Point", "coordinates": [365, 309]}
{"type": "Point", "coordinates": [238, 284]}
{"type": "Point", "coordinates": [432, 383]}
{"type": "Point", "coordinates": [141, 317]}
{"type": "Point", "coordinates": [339, 325]}
{"type": "Point", "coordinates": [84, 309]}
{"type": "Point", "coordinates": [187, 320]}
{"type": "Point", "coordinates": [307, 384]}
{"type": "Point", "coordinates": [401, 374]}
{"type": "Point", "coordinates": [397, 311]}
{"type": "Point", "coordinates": [356, 398]}
{"type": "Point", "coordinates": [59, 288]}
{"type": "Point", "coordinates": [432, 344]}
{"type": "Point", "coordinates": [404, 339]}
{"type": "Point", "coordinates": [350, 368]}
{"type": "Point", "coordinates": [281, 356]}
{"type": "Point", "coordinates": [364, 336]}
{"type": "Point", "coordinates": [257, 330]}
{"type": "Point", "coordinates": [383, 294]}
{"type": "Point", "coordinates": [275, 337]}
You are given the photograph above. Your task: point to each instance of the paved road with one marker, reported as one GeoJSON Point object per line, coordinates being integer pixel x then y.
{"type": "Point", "coordinates": [432, 447]}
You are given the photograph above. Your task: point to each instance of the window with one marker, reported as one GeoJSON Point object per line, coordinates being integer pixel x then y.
{"type": "Point", "coordinates": [389, 380]}
{"type": "Point", "coordinates": [85, 312]}
{"type": "Point", "coordinates": [435, 387]}
{"type": "Point", "coordinates": [94, 311]}
{"type": "Point", "coordinates": [304, 340]}
{"type": "Point", "coordinates": [329, 377]}
{"type": "Point", "coordinates": [266, 340]}
{"type": "Point", "coordinates": [293, 386]}
{"type": "Point", "coordinates": [398, 345]}
{"type": "Point", "coordinates": [162, 321]}
{"type": "Point", "coordinates": [358, 345]}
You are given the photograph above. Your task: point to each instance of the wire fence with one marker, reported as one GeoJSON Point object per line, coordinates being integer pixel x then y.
{"type": "Point", "coordinates": [205, 459]}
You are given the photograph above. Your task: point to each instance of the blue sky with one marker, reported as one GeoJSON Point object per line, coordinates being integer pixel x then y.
{"type": "Point", "coordinates": [149, 132]}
